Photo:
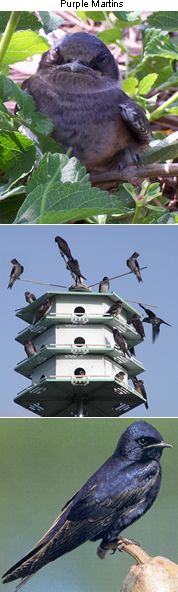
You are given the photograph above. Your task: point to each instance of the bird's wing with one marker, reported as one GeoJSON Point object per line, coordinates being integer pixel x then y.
{"type": "Point", "coordinates": [12, 271]}
{"type": "Point", "coordinates": [150, 314]}
{"type": "Point", "coordinates": [135, 118]}
{"type": "Point", "coordinates": [90, 512]}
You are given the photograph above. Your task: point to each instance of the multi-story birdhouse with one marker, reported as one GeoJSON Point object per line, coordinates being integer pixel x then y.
{"type": "Point", "coordinates": [74, 364]}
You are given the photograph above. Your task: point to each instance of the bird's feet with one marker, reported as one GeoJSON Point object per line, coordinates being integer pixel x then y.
{"type": "Point", "coordinates": [114, 546]}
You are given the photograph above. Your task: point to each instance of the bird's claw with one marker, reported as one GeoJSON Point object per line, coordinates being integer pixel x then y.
{"type": "Point", "coordinates": [124, 541]}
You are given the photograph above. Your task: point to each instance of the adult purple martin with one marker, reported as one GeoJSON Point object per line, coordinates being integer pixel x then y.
{"type": "Point", "coordinates": [138, 325]}
{"type": "Point", "coordinates": [63, 247]}
{"type": "Point", "coordinates": [16, 271]}
{"type": "Point", "coordinates": [113, 498]}
{"type": "Point", "coordinates": [104, 284]}
{"type": "Point", "coordinates": [133, 265]}
{"type": "Point", "coordinates": [114, 309]}
{"type": "Point", "coordinates": [154, 321]}
{"type": "Point", "coordinates": [43, 310]}
{"type": "Point", "coordinates": [73, 267]}
{"type": "Point", "coordinates": [139, 387]}
{"type": "Point", "coordinates": [29, 348]}
{"type": "Point", "coordinates": [132, 351]}
{"type": "Point", "coordinates": [77, 86]}
{"type": "Point", "coordinates": [121, 342]}
{"type": "Point", "coordinates": [29, 297]}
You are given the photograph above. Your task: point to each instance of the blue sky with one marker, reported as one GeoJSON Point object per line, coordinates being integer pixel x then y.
{"type": "Point", "coordinates": [101, 250]}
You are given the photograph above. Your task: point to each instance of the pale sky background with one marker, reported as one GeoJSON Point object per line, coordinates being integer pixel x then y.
{"type": "Point", "coordinates": [101, 250]}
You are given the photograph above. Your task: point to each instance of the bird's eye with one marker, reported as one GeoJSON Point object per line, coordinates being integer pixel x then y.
{"type": "Point", "coordinates": [142, 441]}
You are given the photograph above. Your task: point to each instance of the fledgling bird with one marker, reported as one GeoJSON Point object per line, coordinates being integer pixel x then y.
{"type": "Point", "coordinates": [133, 265]}
{"type": "Point", "coordinates": [104, 284]}
{"type": "Point", "coordinates": [73, 267]}
{"type": "Point", "coordinates": [140, 388]}
{"type": "Point", "coordinates": [29, 348]}
{"type": "Point", "coordinates": [121, 342]}
{"type": "Point", "coordinates": [63, 247]}
{"type": "Point", "coordinates": [138, 325]}
{"type": "Point", "coordinates": [29, 297]}
{"type": "Point", "coordinates": [120, 376]}
{"type": "Point", "coordinates": [114, 497]}
{"type": "Point", "coordinates": [43, 310]}
{"type": "Point", "coordinates": [77, 86]}
{"type": "Point", "coordinates": [16, 271]}
{"type": "Point", "coordinates": [115, 309]}
{"type": "Point", "coordinates": [154, 321]}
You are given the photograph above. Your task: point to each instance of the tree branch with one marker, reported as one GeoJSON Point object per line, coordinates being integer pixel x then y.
{"type": "Point", "coordinates": [142, 172]}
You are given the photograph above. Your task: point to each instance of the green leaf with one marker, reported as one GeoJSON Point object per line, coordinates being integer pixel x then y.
{"type": "Point", "coordinates": [28, 20]}
{"type": "Point", "coordinates": [160, 151]}
{"type": "Point", "coordinates": [159, 44]}
{"type": "Point", "coordinates": [10, 90]}
{"type": "Point", "coordinates": [24, 44]}
{"type": "Point", "coordinates": [130, 86]}
{"type": "Point", "coordinates": [65, 203]}
{"type": "Point", "coordinates": [166, 20]}
{"type": "Point", "coordinates": [9, 208]}
{"type": "Point", "coordinates": [50, 21]}
{"type": "Point", "coordinates": [110, 36]}
{"type": "Point", "coordinates": [146, 83]}
{"type": "Point", "coordinates": [60, 167]}
{"type": "Point", "coordinates": [95, 16]}
{"type": "Point", "coordinates": [127, 19]}
{"type": "Point", "coordinates": [17, 154]}
{"type": "Point", "coordinates": [60, 192]}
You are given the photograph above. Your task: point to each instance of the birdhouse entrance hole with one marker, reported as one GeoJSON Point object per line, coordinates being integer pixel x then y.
{"type": "Point", "coordinates": [79, 311]}
{"type": "Point", "coordinates": [79, 341]}
{"type": "Point", "coordinates": [79, 372]}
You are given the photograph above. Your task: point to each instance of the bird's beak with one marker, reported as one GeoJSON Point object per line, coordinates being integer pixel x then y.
{"type": "Point", "coordinates": [160, 445]}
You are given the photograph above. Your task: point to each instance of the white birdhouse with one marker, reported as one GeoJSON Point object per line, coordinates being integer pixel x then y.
{"type": "Point", "coordinates": [73, 362]}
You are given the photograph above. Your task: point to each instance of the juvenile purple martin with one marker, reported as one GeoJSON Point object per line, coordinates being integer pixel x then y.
{"type": "Point", "coordinates": [77, 86]}
{"type": "Point", "coordinates": [17, 270]}
{"type": "Point", "coordinates": [43, 310]}
{"type": "Point", "coordinates": [154, 321]}
{"type": "Point", "coordinates": [113, 498]}
{"type": "Point", "coordinates": [73, 267]}
{"type": "Point", "coordinates": [121, 342]}
{"type": "Point", "coordinates": [120, 376]}
{"type": "Point", "coordinates": [114, 309]}
{"type": "Point", "coordinates": [139, 387]}
{"type": "Point", "coordinates": [29, 348]}
{"type": "Point", "coordinates": [63, 247]}
{"type": "Point", "coordinates": [138, 325]}
{"type": "Point", "coordinates": [29, 297]}
{"type": "Point", "coordinates": [133, 265]}
{"type": "Point", "coordinates": [104, 284]}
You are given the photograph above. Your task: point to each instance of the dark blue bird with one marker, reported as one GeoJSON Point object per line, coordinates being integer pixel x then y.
{"type": "Point", "coordinates": [119, 493]}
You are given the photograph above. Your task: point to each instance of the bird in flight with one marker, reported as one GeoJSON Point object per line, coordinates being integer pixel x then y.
{"type": "Point", "coordinates": [16, 271]}
{"type": "Point", "coordinates": [113, 498]}
{"type": "Point", "coordinates": [133, 265]}
{"type": "Point", "coordinates": [154, 321]}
